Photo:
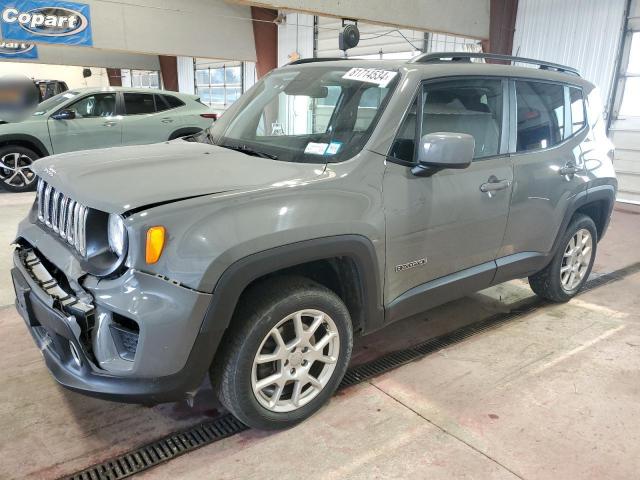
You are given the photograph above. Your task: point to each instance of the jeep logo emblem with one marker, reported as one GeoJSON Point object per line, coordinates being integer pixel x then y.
{"type": "Point", "coordinates": [47, 21]}
{"type": "Point", "coordinates": [15, 48]}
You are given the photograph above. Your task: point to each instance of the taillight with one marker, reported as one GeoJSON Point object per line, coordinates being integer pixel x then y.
{"type": "Point", "coordinates": [212, 116]}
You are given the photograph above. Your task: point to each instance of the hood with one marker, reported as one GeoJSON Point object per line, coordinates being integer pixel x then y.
{"type": "Point", "coordinates": [119, 179]}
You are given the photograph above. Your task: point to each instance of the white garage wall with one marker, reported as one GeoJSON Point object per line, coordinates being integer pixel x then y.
{"type": "Point", "coordinates": [584, 34]}
{"type": "Point", "coordinates": [71, 75]}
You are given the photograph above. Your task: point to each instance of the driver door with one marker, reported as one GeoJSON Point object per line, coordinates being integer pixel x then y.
{"type": "Point", "coordinates": [443, 230]}
{"type": "Point", "coordinates": [96, 125]}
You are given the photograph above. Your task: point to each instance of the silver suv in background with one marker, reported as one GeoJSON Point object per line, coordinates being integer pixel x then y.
{"type": "Point", "coordinates": [333, 198]}
{"type": "Point", "coordinates": [91, 118]}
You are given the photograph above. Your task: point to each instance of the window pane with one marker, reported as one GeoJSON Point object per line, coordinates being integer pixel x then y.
{"type": "Point", "coordinates": [154, 81]}
{"type": "Point", "coordinates": [233, 75]}
{"type": "Point", "coordinates": [202, 77]}
{"type": "Point", "coordinates": [577, 109]}
{"type": "Point", "coordinates": [137, 103]}
{"type": "Point", "coordinates": [233, 93]}
{"type": "Point", "coordinates": [634, 55]}
{"type": "Point", "coordinates": [205, 94]}
{"type": "Point", "coordinates": [473, 107]}
{"type": "Point", "coordinates": [540, 115]}
{"type": "Point", "coordinates": [217, 76]}
{"type": "Point", "coordinates": [217, 95]}
{"type": "Point", "coordinates": [631, 98]}
{"type": "Point", "coordinates": [102, 105]}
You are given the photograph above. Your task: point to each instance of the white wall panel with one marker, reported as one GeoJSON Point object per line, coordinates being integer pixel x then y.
{"type": "Point", "coordinates": [185, 75]}
{"type": "Point", "coordinates": [584, 34]}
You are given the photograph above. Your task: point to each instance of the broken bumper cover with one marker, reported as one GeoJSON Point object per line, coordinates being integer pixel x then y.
{"type": "Point", "coordinates": [68, 354]}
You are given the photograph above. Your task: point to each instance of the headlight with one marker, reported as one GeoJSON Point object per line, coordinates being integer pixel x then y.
{"type": "Point", "coordinates": [116, 234]}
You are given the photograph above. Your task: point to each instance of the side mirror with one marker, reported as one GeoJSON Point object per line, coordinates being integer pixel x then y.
{"type": "Point", "coordinates": [441, 150]}
{"type": "Point", "coordinates": [64, 115]}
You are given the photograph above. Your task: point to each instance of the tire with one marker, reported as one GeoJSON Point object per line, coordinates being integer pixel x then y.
{"type": "Point", "coordinates": [554, 281]}
{"type": "Point", "coordinates": [21, 179]}
{"type": "Point", "coordinates": [235, 373]}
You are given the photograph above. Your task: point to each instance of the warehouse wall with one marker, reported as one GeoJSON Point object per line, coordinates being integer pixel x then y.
{"type": "Point", "coordinates": [584, 34]}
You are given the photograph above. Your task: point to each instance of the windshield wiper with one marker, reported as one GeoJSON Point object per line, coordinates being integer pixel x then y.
{"type": "Point", "coordinates": [250, 151]}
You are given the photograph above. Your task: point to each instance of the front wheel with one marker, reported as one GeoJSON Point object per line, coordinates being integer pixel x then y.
{"type": "Point", "coordinates": [286, 354]}
{"type": "Point", "coordinates": [15, 168]}
{"type": "Point", "coordinates": [570, 267]}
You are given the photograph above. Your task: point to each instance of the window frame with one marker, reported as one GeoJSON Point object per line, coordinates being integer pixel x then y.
{"type": "Point", "coordinates": [513, 127]}
{"type": "Point", "coordinates": [505, 132]}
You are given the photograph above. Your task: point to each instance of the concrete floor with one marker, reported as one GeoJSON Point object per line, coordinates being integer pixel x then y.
{"type": "Point", "coordinates": [552, 394]}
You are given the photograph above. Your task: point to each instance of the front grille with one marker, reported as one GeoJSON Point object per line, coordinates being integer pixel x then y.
{"type": "Point", "coordinates": [64, 216]}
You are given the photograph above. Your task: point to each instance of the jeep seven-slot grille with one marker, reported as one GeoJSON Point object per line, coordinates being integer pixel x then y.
{"type": "Point", "coordinates": [66, 217]}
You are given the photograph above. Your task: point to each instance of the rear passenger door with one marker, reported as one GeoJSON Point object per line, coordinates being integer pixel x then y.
{"type": "Point", "coordinates": [446, 218]}
{"type": "Point", "coordinates": [146, 119]}
{"type": "Point", "coordinates": [547, 160]}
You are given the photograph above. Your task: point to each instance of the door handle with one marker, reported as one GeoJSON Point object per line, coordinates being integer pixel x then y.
{"type": "Point", "coordinates": [494, 185]}
{"type": "Point", "coordinates": [110, 124]}
{"type": "Point", "coordinates": [569, 169]}
{"type": "Point", "coordinates": [166, 120]}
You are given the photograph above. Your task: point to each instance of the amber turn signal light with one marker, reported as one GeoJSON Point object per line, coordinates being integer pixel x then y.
{"type": "Point", "coordinates": [155, 243]}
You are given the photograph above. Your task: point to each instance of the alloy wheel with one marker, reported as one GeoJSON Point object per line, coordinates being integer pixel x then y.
{"type": "Point", "coordinates": [15, 169]}
{"type": "Point", "coordinates": [576, 259]}
{"type": "Point", "coordinates": [295, 361]}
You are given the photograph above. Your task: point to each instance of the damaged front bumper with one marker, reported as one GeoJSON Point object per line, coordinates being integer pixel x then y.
{"type": "Point", "coordinates": [135, 338]}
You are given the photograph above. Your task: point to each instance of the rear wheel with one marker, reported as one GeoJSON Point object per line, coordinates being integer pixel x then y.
{"type": "Point", "coordinates": [289, 349]}
{"type": "Point", "coordinates": [570, 267]}
{"type": "Point", "coordinates": [15, 168]}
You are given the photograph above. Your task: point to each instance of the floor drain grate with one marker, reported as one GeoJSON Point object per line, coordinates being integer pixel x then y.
{"type": "Point", "coordinates": [225, 426]}
{"type": "Point", "coordinates": [162, 450]}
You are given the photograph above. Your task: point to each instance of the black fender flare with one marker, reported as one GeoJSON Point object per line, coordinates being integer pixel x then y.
{"type": "Point", "coordinates": [183, 132]}
{"type": "Point", "coordinates": [604, 192]}
{"type": "Point", "coordinates": [23, 137]}
{"type": "Point", "coordinates": [240, 274]}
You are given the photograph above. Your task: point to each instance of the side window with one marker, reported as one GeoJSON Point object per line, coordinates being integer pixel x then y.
{"type": "Point", "coordinates": [173, 102]}
{"type": "Point", "coordinates": [577, 109]}
{"type": "Point", "coordinates": [161, 105]}
{"type": "Point", "coordinates": [137, 103]}
{"type": "Point", "coordinates": [541, 115]}
{"type": "Point", "coordinates": [99, 105]}
{"type": "Point", "coordinates": [473, 107]}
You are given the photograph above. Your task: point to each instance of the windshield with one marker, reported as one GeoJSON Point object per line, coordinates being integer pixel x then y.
{"type": "Point", "coordinates": [313, 114]}
{"type": "Point", "coordinates": [53, 102]}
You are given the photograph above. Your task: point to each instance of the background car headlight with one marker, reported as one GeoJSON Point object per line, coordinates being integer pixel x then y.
{"type": "Point", "coordinates": [116, 234]}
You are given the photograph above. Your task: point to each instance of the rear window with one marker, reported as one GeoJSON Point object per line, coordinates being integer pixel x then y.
{"type": "Point", "coordinates": [138, 103]}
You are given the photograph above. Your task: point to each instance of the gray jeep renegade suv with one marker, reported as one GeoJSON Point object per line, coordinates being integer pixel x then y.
{"type": "Point", "coordinates": [333, 198]}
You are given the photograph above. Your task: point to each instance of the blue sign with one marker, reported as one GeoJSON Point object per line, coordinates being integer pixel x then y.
{"type": "Point", "coordinates": [66, 23]}
{"type": "Point", "coordinates": [18, 50]}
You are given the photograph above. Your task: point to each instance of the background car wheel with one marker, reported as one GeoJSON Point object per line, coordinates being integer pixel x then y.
{"type": "Point", "coordinates": [288, 348]}
{"type": "Point", "coordinates": [15, 168]}
{"type": "Point", "coordinates": [570, 267]}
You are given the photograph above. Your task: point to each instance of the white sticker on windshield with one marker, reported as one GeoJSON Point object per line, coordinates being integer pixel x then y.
{"type": "Point", "coordinates": [370, 75]}
{"type": "Point", "coordinates": [316, 148]}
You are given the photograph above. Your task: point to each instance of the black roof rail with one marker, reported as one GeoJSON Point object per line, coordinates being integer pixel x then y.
{"type": "Point", "coordinates": [314, 60]}
{"type": "Point", "coordinates": [441, 57]}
